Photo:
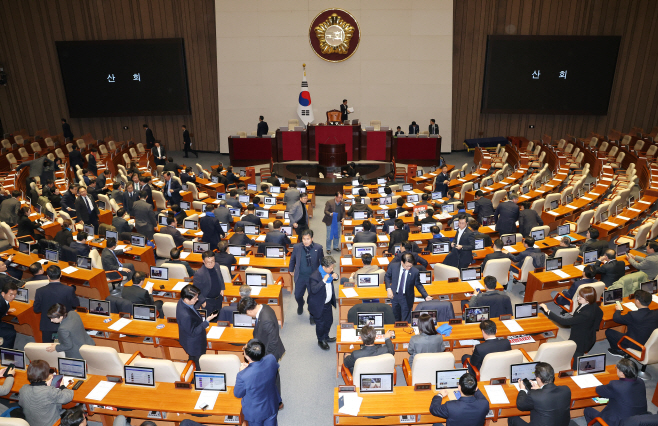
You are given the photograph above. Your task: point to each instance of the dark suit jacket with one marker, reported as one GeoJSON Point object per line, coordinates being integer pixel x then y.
{"type": "Point", "coordinates": [433, 129]}
{"type": "Point", "coordinates": [413, 280]}
{"type": "Point", "coordinates": [47, 296]}
{"type": "Point", "coordinates": [163, 153]}
{"type": "Point", "coordinates": [298, 255]}
{"type": "Point", "coordinates": [209, 293]}
{"type": "Point", "coordinates": [366, 351]}
{"type": "Point", "coordinates": [26, 227]}
{"type": "Point", "coordinates": [343, 112]}
{"type": "Point", "coordinates": [365, 237]}
{"type": "Point", "coordinates": [175, 233]}
{"type": "Point", "coordinates": [66, 131]}
{"type": "Point", "coordinates": [548, 406]}
{"type": "Point", "coordinates": [185, 178]}
{"type": "Point", "coordinates": [256, 385]}
{"type": "Point", "coordinates": [611, 271]}
{"type": "Point", "coordinates": [68, 200]}
{"type": "Point", "coordinates": [267, 331]}
{"type": "Point", "coordinates": [128, 201]}
{"type": "Point", "coordinates": [262, 129]}
{"type": "Point", "coordinates": [640, 324]}
{"type": "Point", "coordinates": [329, 209]}
{"type": "Point", "coordinates": [81, 248]}
{"type": "Point", "coordinates": [499, 303]}
{"type": "Point", "coordinates": [464, 257]}
{"type": "Point", "coordinates": [441, 183]}
{"type": "Point", "coordinates": [175, 187]}
{"type": "Point", "coordinates": [75, 157]}
{"type": "Point", "coordinates": [64, 237]}
{"type": "Point", "coordinates": [226, 259]}
{"type": "Point", "coordinates": [191, 330]}
{"type": "Point", "coordinates": [584, 324]}
{"type": "Point", "coordinates": [507, 213]}
{"type": "Point", "coordinates": [628, 397]}
{"type": "Point", "coordinates": [212, 230]}
{"type": "Point", "coordinates": [277, 237]}
{"type": "Point", "coordinates": [9, 211]}
{"type": "Point", "coordinates": [241, 240]}
{"type": "Point", "coordinates": [121, 225]}
{"type": "Point", "coordinates": [466, 411]}
{"type": "Point", "coordinates": [136, 294]}
{"type": "Point", "coordinates": [83, 212]}
{"type": "Point", "coordinates": [186, 136]}
{"type": "Point", "coordinates": [528, 219]}
{"type": "Point", "coordinates": [396, 237]}
{"type": "Point", "coordinates": [91, 165]}
{"type": "Point", "coordinates": [317, 294]}
{"type": "Point", "coordinates": [253, 219]}
{"type": "Point", "coordinates": [417, 259]}
{"type": "Point", "coordinates": [149, 137]}
{"type": "Point", "coordinates": [538, 257]}
{"type": "Point", "coordinates": [172, 167]}
{"type": "Point", "coordinates": [414, 130]}
{"type": "Point", "coordinates": [591, 244]}
{"type": "Point", "coordinates": [483, 208]}
{"type": "Point", "coordinates": [485, 348]}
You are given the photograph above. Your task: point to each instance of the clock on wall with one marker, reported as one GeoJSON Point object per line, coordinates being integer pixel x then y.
{"type": "Point", "coordinates": [334, 35]}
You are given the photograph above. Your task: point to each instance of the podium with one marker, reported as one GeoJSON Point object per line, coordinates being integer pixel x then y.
{"type": "Point", "coordinates": [332, 155]}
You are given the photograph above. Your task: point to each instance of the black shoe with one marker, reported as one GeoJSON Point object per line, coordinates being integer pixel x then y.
{"type": "Point", "coordinates": [337, 250]}
{"type": "Point", "coordinates": [331, 339]}
{"type": "Point", "coordinates": [312, 321]}
{"type": "Point", "coordinates": [614, 352]}
{"type": "Point", "coordinates": [323, 345]}
{"type": "Point", "coordinates": [300, 310]}
{"type": "Point", "coordinates": [328, 252]}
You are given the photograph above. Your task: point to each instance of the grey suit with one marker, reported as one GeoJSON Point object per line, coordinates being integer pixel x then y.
{"type": "Point", "coordinates": [223, 214]}
{"type": "Point", "coordinates": [366, 351]}
{"type": "Point", "coordinates": [110, 261]}
{"type": "Point", "coordinates": [424, 343]}
{"type": "Point", "coordinates": [42, 405]}
{"type": "Point", "coordinates": [648, 265]}
{"type": "Point", "coordinates": [9, 211]}
{"type": "Point", "coordinates": [121, 225]}
{"type": "Point", "coordinates": [291, 196]}
{"type": "Point", "coordinates": [71, 334]}
{"type": "Point", "coordinates": [37, 166]}
{"type": "Point", "coordinates": [145, 219]}
{"type": "Point", "coordinates": [296, 214]}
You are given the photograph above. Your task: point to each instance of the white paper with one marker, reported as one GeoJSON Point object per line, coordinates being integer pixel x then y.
{"type": "Point", "coordinates": [475, 284]}
{"type": "Point", "coordinates": [351, 404]}
{"type": "Point", "coordinates": [512, 325]}
{"type": "Point", "coordinates": [348, 335]}
{"type": "Point", "coordinates": [216, 332]}
{"type": "Point", "coordinates": [260, 238]}
{"type": "Point", "coordinates": [469, 342]}
{"type": "Point", "coordinates": [100, 390]}
{"type": "Point", "coordinates": [581, 267]}
{"type": "Point", "coordinates": [524, 197]}
{"type": "Point", "coordinates": [266, 207]}
{"type": "Point", "coordinates": [184, 254]}
{"type": "Point", "coordinates": [569, 206]}
{"type": "Point", "coordinates": [510, 249]}
{"type": "Point", "coordinates": [654, 298]}
{"type": "Point", "coordinates": [551, 212]}
{"type": "Point", "coordinates": [518, 388]}
{"type": "Point", "coordinates": [255, 291]}
{"type": "Point", "coordinates": [349, 292]}
{"type": "Point", "coordinates": [586, 381]}
{"type": "Point", "coordinates": [181, 230]}
{"type": "Point", "coordinates": [492, 227]}
{"type": "Point", "coordinates": [179, 286]}
{"type": "Point", "coordinates": [345, 260]}
{"type": "Point", "coordinates": [69, 269]}
{"type": "Point", "coordinates": [586, 198]}
{"type": "Point", "coordinates": [382, 238]}
{"type": "Point", "coordinates": [243, 261]}
{"type": "Point", "coordinates": [610, 223]}
{"type": "Point", "coordinates": [623, 218]}
{"type": "Point", "coordinates": [199, 234]}
{"type": "Point", "coordinates": [635, 210]}
{"type": "Point", "coordinates": [560, 273]}
{"type": "Point", "coordinates": [409, 204]}
{"type": "Point", "coordinates": [347, 222]}
{"type": "Point", "coordinates": [120, 247]}
{"type": "Point", "coordinates": [122, 322]}
{"type": "Point", "coordinates": [496, 394]}
{"type": "Point", "coordinates": [350, 109]}
{"type": "Point", "coordinates": [148, 286]}
{"type": "Point", "coordinates": [488, 188]}
{"type": "Point", "coordinates": [206, 398]}
{"type": "Point", "coordinates": [644, 202]}
{"type": "Point", "coordinates": [383, 260]}
{"type": "Point", "coordinates": [42, 261]}
{"type": "Point", "coordinates": [630, 305]}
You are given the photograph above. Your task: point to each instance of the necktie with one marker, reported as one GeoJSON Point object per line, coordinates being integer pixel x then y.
{"type": "Point", "coordinates": [403, 282]}
{"type": "Point", "coordinates": [88, 204]}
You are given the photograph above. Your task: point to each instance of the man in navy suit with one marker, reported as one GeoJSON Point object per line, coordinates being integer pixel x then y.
{"type": "Point", "coordinates": [470, 409]}
{"type": "Point", "coordinates": [343, 110]}
{"type": "Point", "coordinates": [80, 246]}
{"type": "Point", "coordinates": [91, 162]}
{"type": "Point", "coordinates": [276, 236]}
{"type": "Point", "coordinates": [47, 296]}
{"type": "Point", "coordinates": [441, 181]}
{"type": "Point", "coordinates": [191, 327]}
{"type": "Point", "coordinates": [66, 130]}
{"type": "Point", "coordinates": [639, 324]}
{"type": "Point", "coordinates": [588, 277]}
{"type": "Point", "coordinates": [627, 396]}
{"type": "Point", "coordinates": [506, 215]}
{"type": "Point", "coordinates": [75, 158]}
{"type": "Point", "coordinates": [321, 298]}
{"type": "Point", "coordinates": [414, 129]}
{"type": "Point", "coordinates": [172, 190]}
{"type": "Point", "coordinates": [490, 345]}
{"type": "Point", "coordinates": [400, 279]}
{"type": "Point", "coordinates": [256, 385]}
{"type": "Point", "coordinates": [68, 200]}
{"type": "Point", "coordinates": [463, 245]}
{"type": "Point", "coordinates": [130, 197]}
{"type": "Point", "coordinates": [304, 260]}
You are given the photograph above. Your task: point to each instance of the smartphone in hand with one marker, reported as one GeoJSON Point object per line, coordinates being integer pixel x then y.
{"type": "Point", "coordinates": [527, 384]}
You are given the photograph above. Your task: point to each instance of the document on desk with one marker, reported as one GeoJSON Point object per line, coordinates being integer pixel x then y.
{"type": "Point", "coordinates": [345, 260]}
{"type": "Point", "coordinates": [475, 284]}
{"type": "Point", "coordinates": [560, 273]}
{"type": "Point", "coordinates": [181, 230]}
{"type": "Point", "coordinates": [581, 267]}
{"type": "Point", "coordinates": [255, 291]}
{"type": "Point", "coordinates": [206, 400]}
{"type": "Point", "coordinates": [551, 212]}
{"type": "Point", "coordinates": [348, 335]}
{"type": "Point", "coordinates": [179, 286]}
{"type": "Point", "coordinates": [120, 324]}
{"type": "Point", "coordinates": [382, 238]}
{"type": "Point", "coordinates": [586, 198]}
{"type": "Point", "coordinates": [382, 261]}
{"type": "Point", "coordinates": [199, 234]}
{"type": "Point", "coordinates": [510, 249]}
{"type": "Point", "coordinates": [654, 298]}
{"type": "Point", "coordinates": [469, 342]}
{"type": "Point", "coordinates": [243, 261]}
{"type": "Point", "coordinates": [215, 332]}
{"type": "Point", "coordinates": [349, 403]}
{"type": "Point", "coordinates": [587, 381]}
{"type": "Point", "coordinates": [184, 254]}
{"type": "Point", "coordinates": [512, 325]}
{"type": "Point", "coordinates": [347, 222]}
{"type": "Point", "coordinates": [261, 238]}
{"type": "Point", "coordinates": [492, 227]}
{"type": "Point", "coordinates": [350, 292]}
{"type": "Point", "coordinates": [409, 204]}
{"type": "Point", "coordinates": [100, 390]}
{"type": "Point", "coordinates": [121, 247]}
{"type": "Point", "coordinates": [69, 269]}
{"type": "Point", "coordinates": [630, 305]}
{"type": "Point", "coordinates": [496, 394]}
{"type": "Point", "coordinates": [610, 224]}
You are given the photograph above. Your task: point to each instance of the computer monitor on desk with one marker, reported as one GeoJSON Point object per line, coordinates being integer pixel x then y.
{"type": "Point", "coordinates": [449, 379]}
{"type": "Point", "coordinates": [236, 250]}
{"type": "Point", "coordinates": [591, 364]}
{"type": "Point", "coordinates": [433, 313]}
{"type": "Point", "coordinates": [52, 255]}
{"type": "Point", "coordinates": [209, 381]}
{"type": "Point", "coordinates": [276, 252]}
{"type": "Point", "coordinates": [72, 367]}
{"type": "Point", "coordinates": [553, 264]}
{"type": "Point", "coordinates": [476, 315]}
{"type": "Point", "coordinates": [143, 312]}
{"type": "Point", "coordinates": [367, 280]}
{"type": "Point", "coordinates": [518, 372]}
{"type": "Point", "coordinates": [360, 251]}
{"type": "Point", "coordinates": [590, 256]}
{"type": "Point", "coordinates": [538, 234]}
{"type": "Point", "coordinates": [138, 240]}
{"type": "Point", "coordinates": [622, 249]}
{"type": "Point", "coordinates": [12, 356]}
{"type": "Point", "coordinates": [200, 247]}
{"type": "Point", "coordinates": [256, 280]}
{"type": "Point", "coordinates": [440, 248]}
{"type": "Point", "coordinates": [650, 286]}
{"type": "Point", "coordinates": [374, 319]}
{"type": "Point", "coordinates": [525, 310]}
{"type": "Point", "coordinates": [139, 376]}
{"type": "Point", "coordinates": [159, 273]}
{"type": "Point", "coordinates": [89, 229]}
{"type": "Point", "coordinates": [470, 274]}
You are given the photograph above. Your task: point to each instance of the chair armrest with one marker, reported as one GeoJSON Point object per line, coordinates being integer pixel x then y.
{"type": "Point", "coordinates": [598, 420]}
{"type": "Point", "coordinates": [525, 354]}
{"type": "Point", "coordinates": [117, 278]}
{"type": "Point", "coordinates": [630, 353]}
{"type": "Point", "coordinates": [406, 371]}
{"type": "Point", "coordinates": [279, 281]}
{"type": "Point", "coordinates": [132, 358]}
{"type": "Point", "coordinates": [189, 365]}
{"type": "Point", "coordinates": [562, 306]}
{"type": "Point", "coordinates": [236, 279]}
{"type": "Point", "coordinates": [27, 236]}
{"type": "Point", "coordinates": [347, 376]}
{"type": "Point", "coordinates": [516, 267]}
{"type": "Point", "coordinates": [477, 372]}
{"type": "Point", "coordinates": [395, 376]}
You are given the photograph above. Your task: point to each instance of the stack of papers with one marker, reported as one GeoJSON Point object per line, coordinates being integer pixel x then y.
{"type": "Point", "coordinates": [510, 249]}
{"type": "Point", "coordinates": [243, 261]}
{"type": "Point", "coordinates": [383, 260]}
{"type": "Point", "coordinates": [345, 260]}
{"type": "Point", "coordinates": [120, 324]}
{"type": "Point", "coordinates": [350, 292]}
{"type": "Point", "coordinates": [215, 332]}
{"type": "Point", "coordinates": [351, 403]}
{"type": "Point", "coordinates": [148, 286]}
{"type": "Point", "coordinates": [469, 342]}
{"type": "Point", "coordinates": [630, 305]}
{"type": "Point", "coordinates": [69, 269]}
{"type": "Point", "coordinates": [554, 213]}
{"type": "Point", "coordinates": [347, 222]}
{"type": "Point", "coordinates": [587, 381]}
{"type": "Point", "coordinates": [348, 335]}
{"type": "Point", "coordinates": [610, 223]}
{"type": "Point", "coordinates": [121, 247]}
{"type": "Point", "coordinates": [382, 238]}
{"type": "Point", "coordinates": [256, 290]}
{"type": "Point", "coordinates": [475, 284]}
{"type": "Point", "coordinates": [179, 286]}
{"type": "Point", "coordinates": [581, 267]}
{"type": "Point", "coordinates": [654, 298]}
{"type": "Point", "coordinates": [207, 399]}
{"type": "Point", "coordinates": [496, 394]}
{"type": "Point", "coordinates": [623, 218]}
{"type": "Point", "coordinates": [184, 254]}
{"type": "Point", "coordinates": [512, 325]}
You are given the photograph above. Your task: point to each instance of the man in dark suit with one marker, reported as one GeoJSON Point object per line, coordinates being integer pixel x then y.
{"type": "Point", "coordinates": [343, 110]}
{"type": "Point", "coordinates": [321, 299]}
{"type": "Point", "coordinates": [461, 254]}
{"type": "Point", "coordinates": [490, 345]}
{"type": "Point", "coordinates": [38, 274]}
{"type": "Point", "coordinates": [146, 187]}
{"type": "Point", "coordinates": [549, 405]}
{"type": "Point", "coordinates": [304, 260]}
{"type": "Point", "coordinates": [528, 219]}
{"type": "Point", "coordinates": [9, 208]}
{"type": "Point", "coordinates": [223, 257]}
{"type": "Point", "coordinates": [66, 130]}
{"type": "Point", "coordinates": [414, 129]}
{"type": "Point", "coordinates": [150, 140]}
{"type": "Point", "coordinates": [45, 297]}
{"type": "Point", "coordinates": [130, 196]}
{"type": "Point", "coordinates": [368, 336]}
{"type": "Point", "coordinates": [7, 331]}
{"type": "Point", "coordinates": [498, 301]}
{"type": "Point", "coordinates": [565, 243]}
{"type": "Point", "coordinates": [159, 154]}
{"type": "Point", "coordinates": [145, 220]}
{"type": "Point", "coordinates": [80, 246]}
{"type": "Point", "coordinates": [262, 129]}
{"type": "Point", "coordinates": [135, 294]}
{"type": "Point", "coordinates": [538, 257]}
{"type": "Point", "coordinates": [68, 200]}
{"type": "Point", "coordinates": [474, 226]}
{"type": "Point", "coordinates": [174, 253]}
{"type": "Point", "coordinates": [187, 176]}
{"type": "Point", "coordinates": [399, 131]}
{"type": "Point", "coordinates": [170, 229]}
{"type": "Point", "coordinates": [627, 396]}
{"type": "Point", "coordinates": [441, 181]}
{"type": "Point", "coordinates": [110, 259]}
{"type": "Point", "coordinates": [589, 275]}
{"type": "Point", "coordinates": [413, 249]}
{"type": "Point", "coordinates": [400, 279]}
{"type": "Point", "coordinates": [275, 236]}
{"type": "Point", "coordinates": [191, 328]}
{"type": "Point", "coordinates": [437, 237]}
{"type": "Point", "coordinates": [188, 142]}
{"type": "Point", "coordinates": [210, 282]}
{"type": "Point", "coordinates": [398, 236]}
{"type": "Point", "coordinates": [609, 267]}
{"type": "Point", "coordinates": [170, 166]}
{"type": "Point", "coordinates": [86, 209]}
{"type": "Point", "coordinates": [120, 223]}
{"type": "Point", "coordinates": [222, 213]}
{"type": "Point", "coordinates": [639, 324]}
{"type": "Point", "coordinates": [92, 189]}
{"type": "Point", "coordinates": [256, 385]}
{"type": "Point", "coordinates": [239, 238]}
{"type": "Point", "coordinates": [172, 189]}
{"type": "Point", "coordinates": [483, 206]}
{"type": "Point", "coordinates": [593, 242]}
{"type": "Point", "coordinates": [506, 215]}
{"type": "Point", "coordinates": [366, 236]}
{"type": "Point", "coordinates": [470, 409]}
{"type": "Point", "coordinates": [359, 206]}
{"type": "Point", "coordinates": [75, 158]}
{"type": "Point", "coordinates": [433, 128]}
{"type": "Point", "coordinates": [251, 217]}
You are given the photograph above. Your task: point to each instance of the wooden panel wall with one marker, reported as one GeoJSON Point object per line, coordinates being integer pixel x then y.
{"type": "Point", "coordinates": [633, 101]}
{"type": "Point", "coordinates": [34, 98]}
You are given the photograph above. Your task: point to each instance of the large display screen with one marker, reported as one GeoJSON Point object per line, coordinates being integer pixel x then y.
{"type": "Point", "coordinates": [124, 77]}
{"type": "Point", "coordinates": [549, 74]}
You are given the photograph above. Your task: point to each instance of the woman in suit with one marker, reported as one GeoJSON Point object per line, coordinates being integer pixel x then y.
{"type": "Point", "coordinates": [427, 340]}
{"type": "Point", "coordinates": [42, 403]}
{"type": "Point", "coordinates": [65, 237]}
{"type": "Point", "coordinates": [584, 323]}
{"type": "Point", "coordinates": [71, 332]}
{"type": "Point", "coordinates": [25, 225]}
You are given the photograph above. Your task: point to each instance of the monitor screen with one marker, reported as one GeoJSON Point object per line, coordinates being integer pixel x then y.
{"type": "Point", "coordinates": [590, 256]}
{"type": "Point", "coordinates": [375, 319]}
{"type": "Point", "coordinates": [209, 381]}
{"type": "Point", "coordinates": [214, 179]}
{"type": "Point", "coordinates": [612, 296]}
{"type": "Point", "coordinates": [84, 262]}
{"type": "Point", "coordinates": [360, 251]}
{"type": "Point", "coordinates": [251, 229]}
{"type": "Point", "coordinates": [476, 186]}
{"type": "Point", "coordinates": [243, 173]}
{"type": "Point", "coordinates": [242, 320]}
{"type": "Point", "coordinates": [538, 235]}
{"type": "Point", "coordinates": [137, 241]}
{"type": "Point", "coordinates": [518, 372]}
{"type": "Point", "coordinates": [224, 227]}
{"type": "Point", "coordinates": [275, 252]}
{"type": "Point", "coordinates": [220, 195]}
{"type": "Point", "coordinates": [426, 227]}
{"type": "Point", "coordinates": [416, 314]}
{"type": "Point", "coordinates": [440, 248]}
{"type": "Point", "coordinates": [407, 187]}
{"type": "Point", "coordinates": [99, 307]}
{"type": "Point", "coordinates": [52, 255]}
{"type": "Point", "coordinates": [526, 189]}
{"type": "Point", "coordinates": [476, 315]}
{"type": "Point", "coordinates": [470, 205]}
{"type": "Point", "coordinates": [111, 234]}
{"type": "Point", "coordinates": [163, 220]}
{"type": "Point", "coordinates": [243, 199]}
{"type": "Point", "coordinates": [509, 239]}
{"type": "Point", "coordinates": [159, 273]}
{"type": "Point", "coordinates": [89, 229]}
{"type": "Point", "coordinates": [184, 205]}
{"type": "Point", "coordinates": [568, 199]}
{"type": "Point", "coordinates": [412, 198]}
{"type": "Point", "coordinates": [357, 229]}
{"type": "Point", "coordinates": [200, 247]}
{"type": "Point", "coordinates": [100, 205]}
{"type": "Point", "coordinates": [237, 250]}
{"type": "Point", "coordinates": [553, 264]}
{"type": "Point", "coordinates": [525, 310]}
{"type": "Point", "coordinates": [622, 249]}
{"type": "Point", "coordinates": [383, 201]}
{"type": "Point", "coordinates": [355, 190]}
{"type": "Point", "coordinates": [381, 190]}
{"type": "Point", "coordinates": [563, 230]}
{"type": "Point", "coordinates": [425, 277]}
{"type": "Point", "coordinates": [367, 280]}
{"type": "Point", "coordinates": [144, 312]}
{"type": "Point", "coordinates": [382, 382]}
{"type": "Point", "coordinates": [449, 208]}
{"type": "Point", "coordinates": [355, 182]}
{"type": "Point", "coordinates": [554, 204]}
{"type": "Point", "coordinates": [479, 244]}
{"type": "Point", "coordinates": [488, 221]}
{"type": "Point", "coordinates": [140, 376]}
{"type": "Point", "coordinates": [22, 295]}
{"type": "Point", "coordinates": [419, 173]}
{"type": "Point", "coordinates": [360, 215]}
{"type": "Point", "coordinates": [591, 364]}
{"type": "Point", "coordinates": [256, 280]}
{"type": "Point", "coordinates": [10, 356]}
{"type": "Point", "coordinates": [437, 195]}
{"type": "Point", "coordinates": [449, 379]}
{"type": "Point", "coordinates": [270, 201]}
{"type": "Point", "coordinates": [275, 189]}
{"type": "Point", "coordinates": [287, 230]}
{"type": "Point", "coordinates": [381, 181]}
{"type": "Point", "coordinates": [72, 367]}
{"type": "Point", "coordinates": [470, 274]}
{"type": "Point", "coordinates": [190, 224]}
{"type": "Point", "coordinates": [604, 216]}
{"type": "Point", "coordinates": [234, 212]}
{"type": "Point", "coordinates": [23, 247]}
{"type": "Point", "coordinates": [252, 187]}
{"type": "Point", "coordinates": [261, 214]}
{"type": "Point", "coordinates": [649, 286]}
{"type": "Point", "coordinates": [462, 173]}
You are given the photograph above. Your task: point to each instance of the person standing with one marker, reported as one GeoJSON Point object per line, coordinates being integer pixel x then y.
{"type": "Point", "coordinates": [45, 297]}
{"type": "Point", "coordinates": [413, 128]}
{"type": "Point", "coordinates": [210, 282]}
{"type": "Point", "coordinates": [461, 254]}
{"type": "Point", "coordinates": [292, 194]}
{"type": "Point", "coordinates": [150, 140]}
{"type": "Point", "coordinates": [321, 299]}
{"type": "Point", "coordinates": [159, 154]}
{"type": "Point", "coordinates": [172, 190]}
{"type": "Point", "coordinates": [7, 331]}
{"type": "Point", "coordinates": [86, 208]}
{"type": "Point", "coordinates": [528, 219]}
{"type": "Point", "coordinates": [262, 129]}
{"type": "Point", "coordinates": [40, 167]}
{"type": "Point", "coordinates": [256, 385]}
{"type": "Point", "coordinates": [75, 158]}
{"type": "Point", "coordinates": [9, 208]}
{"type": "Point", "coordinates": [212, 229]}
{"type": "Point", "coordinates": [434, 128]}
{"type": "Point", "coordinates": [299, 214]}
{"type": "Point", "coordinates": [130, 196]}
{"type": "Point", "coordinates": [334, 213]}
{"type": "Point", "coordinates": [145, 220]}
{"type": "Point", "coordinates": [441, 181]}
{"type": "Point", "coordinates": [400, 279]}
{"type": "Point", "coordinates": [470, 409]}
{"type": "Point", "coordinates": [66, 131]}
{"type": "Point", "coordinates": [507, 214]}
{"type": "Point", "coordinates": [483, 206]}
{"type": "Point", "coordinates": [191, 327]}
{"type": "Point", "coordinates": [344, 111]}
{"type": "Point", "coordinates": [188, 142]}
{"type": "Point", "coordinates": [71, 334]}
{"type": "Point", "coordinates": [304, 260]}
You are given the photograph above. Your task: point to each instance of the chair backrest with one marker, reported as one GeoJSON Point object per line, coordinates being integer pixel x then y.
{"type": "Point", "coordinates": [603, 147]}
{"type": "Point", "coordinates": [526, 268]}
{"type": "Point", "coordinates": [652, 150]}
{"type": "Point", "coordinates": [530, 146]}
{"type": "Point", "coordinates": [498, 268]}
{"type": "Point", "coordinates": [593, 141]}
{"type": "Point", "coordinates": [23, 152]}
{"type": "Point", "coordinates": [140, 148]}
{"type": "Point", "coordinates": [164, 369]}
{"type": "Point", "coordinates": [569, 256]}
{"type": "Point", "coordinates": [102, 360]}
{"type": "Point", "coordinates": [641, 235]}
{"type": "Point", "coordinates": [33, 286]}
{"type": "Point", "coordinates": [443, 272]}
{"type": "Point", "coordinates": [11, 421]}
{"type": "Point", "coordinates": [638, 145]}
{"type": "Point", "coordinates": [169, 309]}
{"type": "Point", "coordinates": [95, 259]}
{"type": "Point", "coordinates": [376, 124]}
{"type": "Point", "coordinates": [133, 153]}
{"type": "Point", "coordinates": [558, 354]}
{"type": "Point", "coordinates": [613, 205]}
{"type": "Point", "coordinates": [126, 158]}
{"type": "Point", "coordinates": [372, 365]}
{"type": "Point", "coordinates": [569, 148]}
{"type": "Point", "coordinates": [651, 353]}
{"type": "Point", "coordinates": [355, 245]}
{"type": "Point", "coordinates": [81, 144]}
{"type": "Point", "coordinates": [549, 199]}
{"type": "Point", "coordinates": [6, 144]}
{"type": "Point", "coordinates": [468, 186]}
{"type": "Point", "coordinates": [425, 366]}
{"type": "Point", "coordinates": [102, 149]}
{"type": "Point", "coordinates": [538, 205]}
{"type": "Point", "coordinates": [228, 364]}
{"type": "Point", "coordinates": [583, 222]}
{"type": "Point", "coordinates": [11, 238]}
{"type": "Point", "coordinates": [178, 272]}
{"type": "Point", "coordinates": [159, 200]}
{"type": "Point", "coordinates": [35, 351]}
{"type": "Point", "coordinates": [112, 145]}
{"type": "Point", "coordinates": [497, 364]}
{"type": "Point", "coordinates": [498, 197]}
{"type": "Point", "coordinates": [35, 146]}
{"type": "Point", "coordinates": [270, 278]}
{"type": "Point", "coordinates": [600, 209]}
{"type": "Point", "coordinates": [561, 144]}
{"type": "Point", "coordinates": [620, 157]}
{"type": "Point", "coordinates": [163, 244]}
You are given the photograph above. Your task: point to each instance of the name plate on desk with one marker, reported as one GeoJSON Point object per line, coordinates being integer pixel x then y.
{"type": "Point", "coordinates": [422, 386]}
{"type": "Point", "coordinates": [346, 325]}
{"type": "Point", "coordinates": [223, 323]}
{"type": "Point", "coordinates": [348, 285]}
{"type": "Point", "coordinates": [283, 270]}
{"type": "Point", "coordinates": [453, 280]}
{"type": "Point", "coordinates": [401, 324]}
{"type": "Point", "coordinates": [409, 418]}
{"type": "Point", "coordinates": [182, 385]}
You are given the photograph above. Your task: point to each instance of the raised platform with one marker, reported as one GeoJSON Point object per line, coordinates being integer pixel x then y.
{"type": "Point", "coordinates": [329, 185]}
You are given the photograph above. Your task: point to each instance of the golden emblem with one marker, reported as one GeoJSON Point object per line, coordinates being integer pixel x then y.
{"type": "Point", "coordinates": [334, 35]}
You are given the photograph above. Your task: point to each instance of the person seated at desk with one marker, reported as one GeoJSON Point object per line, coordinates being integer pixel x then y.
{"type": "Point", "coordinates": [64, 236]}
{"type": "Point", "coordinates": [242, 188]}
{"type": "Point", "coordinates": [538, 257]}
{"type": "Point", "coordinates": [639, 324]}
{"type": "Point", "coordinates": [239, 238]}
{"type": "Point", "coordinates": [483, 206]}
{"type": "Point", "coordinates": [226, 314]}
{"type": "Point", "coordinates": [7, 331]}
{"type": "Point", "coordinates": [498, 301]}
{"type": "Point", "coordinates": [50, 191]}
{"type": "Point", "coordinates": [367, 268]}
{"type": "Point", "coordinates": [171, 229]}
{"type": "Point", "coordinates": [497, 254]}
{"type": "Point", "coordinates": [292, 194]}
{"type": "Point", "coordinates": [565, 243]}
{"type": "Point", "coordinates": [187, 176]}
{"type": "Point", "coordinates": [627, 396]}
{"type": "Point", "coordinates": [71, 334]}
{"type": "Point", "coordinates": [474, 226]}
{"type": "Point", "coordinates": [251, 216]}
{"type": "Point", "coordinates": [400, 206]}
{"type": "Point", "coordinates": [80, 244]}
{"type": "Point", "coordinates": [224, 258]}
{"type": "Point", "coordinates": [171, 166]}
{"type": "Point", "coordinates": [399, 235]}
{"type": "Point", "coordinates": [274, 179]}
{"type": "Point", "coordinates": [437, 237]}
{"type": "Point", "coordinates": [433, 128]}
{"type": "Point", "coordinates": [366, 236]}
{"type": "Point", "coordinates": [412, 249]}
{"type": "Point", "coordinates": [368, 335]}
{"type": "Point", "coordinates": [300, 183]}
{"type": "Point", "coordinates": [264, 190]}
{"type": "Point", "coordinates": [42, 403]}
{"type": "Point", "coordinates": [593, 242]}
{"type": "Point", "coordinates": [427, 219]}
{"type": "Point", "coordinates": [120, 222]}
{"type": "Point", "coordinates": [528, 219]}
{"type": "Point", "coordinates": [25, 226]}
{"type": "Point", "coordinates": [470, 409]}
{"type": "Point", "coordinates": [414, 129]}
{"type": "Point", "coordinates": [589, 275]}
{"type": "Point", "coordinates": [348, 170]}
{"type": "Point", "coordinates": [110, 259]}
{"type": "Point", "coordinates": [490, 345]}
{"type": "Point", "coordinates": [609, 267]}
{"type": "Point", "coordinates": [358, 206]}
{"type": "Point", "coordinates": [427, 340]}
{"type": "Point", "coordinates": [218, 173]}
{"type": "Point", "coordinates": [424, 200]}
{"type": "Point", "coordinates": [174, 253]}
{"type": "Point", "coordinates": [549, 405]}
{"type": "Point", "coordinates": [232, 199]}
{"type": "Point", "coordinates": [390, 222]}
{"type": "Point", "coordinates": [212, 229]}
{"type": "Point", "coordinates": [36, 269]}
{"type": "Point", "coordinates": [136, 294]}
{"type": "Point", "coordinates": [256, 202]}
{"type": "Point", "coordinates": [461, 209]}
{"type": "Point", "coordinates": [87, 175]}
{"type": "Point", "coordinates": [399, 131]}
{"type": "Point", "coordinates": [648, 264]}
{"type": "Point", "coordinates": [230, 176]}
{"type": "Point", "coordinates": [451, 197]}
{"type": "Point", "coordinates": [276, 236]}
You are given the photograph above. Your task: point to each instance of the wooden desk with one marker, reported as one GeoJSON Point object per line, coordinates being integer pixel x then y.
{"type": "Point", "coordinates": [24, 319]}
{"type": "Point", "coordinates": [141, 257]}
{"type": "Point", "coordinates": [608, 312]}
{"type": "Point", "coordinates": [622, 221]}
{"type": "Point", "coordinates": [279, 268]}
{"type": "Point", "coordinates": [488, 191]}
